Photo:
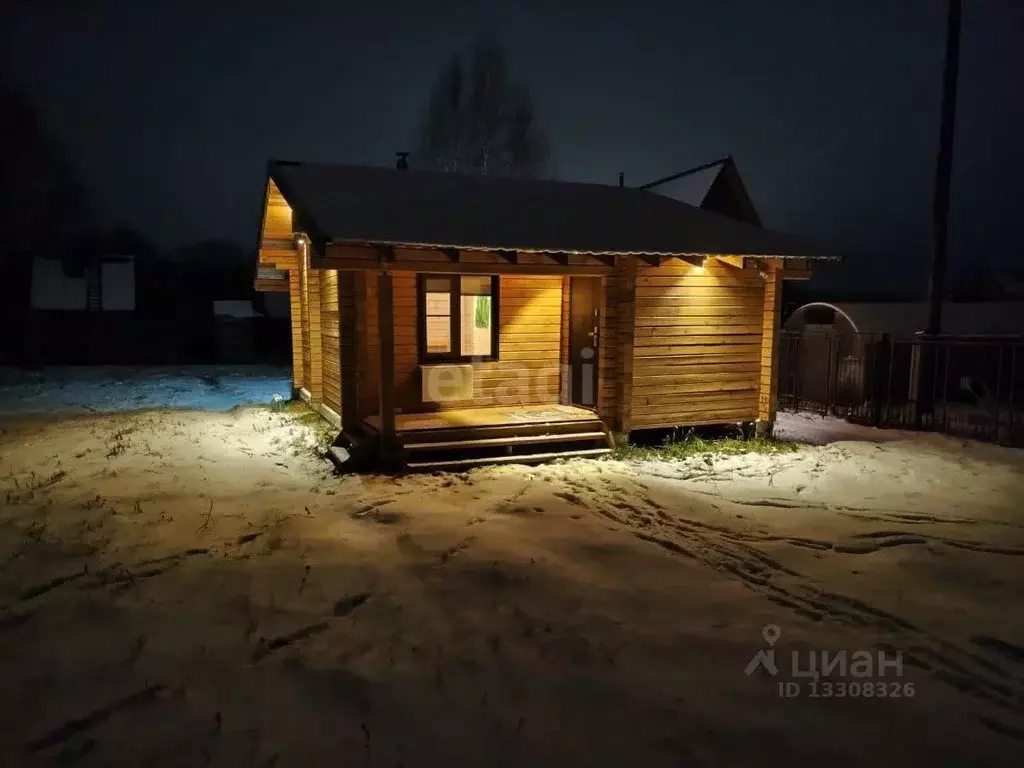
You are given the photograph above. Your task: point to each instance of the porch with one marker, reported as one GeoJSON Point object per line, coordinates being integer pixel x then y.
{"type": "Point", "coordinates": [465, 437]}
{"type": "Point", "coordinates": [456, 381]}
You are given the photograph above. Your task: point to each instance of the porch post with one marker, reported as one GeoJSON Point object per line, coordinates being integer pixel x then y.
{"type": "Point", "coordinates": [295, 317]}
{"type": "Point", "coordinates": [771, 319]}
{"type": "Point", "coordinates": [626, 308]}
{"type": "Point", "coordinates": [348, 356]}
{"type": "Point", "coordinates": [386, 321]}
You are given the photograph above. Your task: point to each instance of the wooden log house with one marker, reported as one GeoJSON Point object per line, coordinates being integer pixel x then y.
{"type": "Point", "coordinates": [446, 320]}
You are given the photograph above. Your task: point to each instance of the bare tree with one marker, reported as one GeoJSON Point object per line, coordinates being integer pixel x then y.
{"type": "Point", "coordinates": [479, 120]}
{"type": "Point", "coordinates": [42, 202]}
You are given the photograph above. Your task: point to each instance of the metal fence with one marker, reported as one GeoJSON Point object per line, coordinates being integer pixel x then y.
{"type": "Point", "coordinates": [958, 385]}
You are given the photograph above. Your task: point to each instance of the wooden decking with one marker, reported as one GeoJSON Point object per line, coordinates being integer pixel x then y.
{"type": "Point", "coordinates": [526, 434]}
{"type": "Point", "coordinates": [497, 416]}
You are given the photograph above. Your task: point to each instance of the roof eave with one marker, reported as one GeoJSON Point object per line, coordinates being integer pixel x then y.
{"type": "Point", "coordinates": [573, 252]}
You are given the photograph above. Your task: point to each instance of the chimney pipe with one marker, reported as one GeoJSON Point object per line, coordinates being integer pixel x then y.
{"type": "Point", "coordinates": [622, 179]}
{"type": "Point", "coordinates": [403, 161]}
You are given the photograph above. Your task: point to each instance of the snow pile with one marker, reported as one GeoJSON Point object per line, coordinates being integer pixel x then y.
{"type": "Point", "coordinates": [814, 429]}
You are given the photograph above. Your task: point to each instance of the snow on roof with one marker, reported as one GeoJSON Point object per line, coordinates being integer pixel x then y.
{"type": "Point", "coordinates": [384, 206]}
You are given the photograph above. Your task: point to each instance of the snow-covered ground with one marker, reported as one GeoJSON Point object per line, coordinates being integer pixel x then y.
{"type": "Point", "coordinates": [814, 429]}
{"type": "Point", "coordinates": [101, 389]}
{"type": "Point", "coordinates": [184, 587]}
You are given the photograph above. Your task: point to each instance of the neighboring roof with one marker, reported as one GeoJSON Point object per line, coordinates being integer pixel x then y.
{"type": "Point", "coordinates": [384, 206]}
{"type": "Point", "coordinates": [689, 186]}
{"type": "Point", "coordinates": [904, 319]}
{"type": "Point", "coordinates": [715, 186]}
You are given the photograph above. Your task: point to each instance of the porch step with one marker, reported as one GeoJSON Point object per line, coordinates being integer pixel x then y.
{"type": "Point", "coordinates": [495, 431]}
{"type": "Point", "coordinates": [459, 448]}
{"type": "Point", "coordinates": [529, 458]}
{"type": "Point", "coordinates": [460, 439]}
{"type": "Point", "coordinates": [500, 441]}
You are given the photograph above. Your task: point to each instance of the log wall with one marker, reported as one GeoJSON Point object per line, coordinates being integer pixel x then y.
{"type": "Point", "coordinates": [771, 320]}
{"type": "Point", "coordinates": [330, 339]}
{"type": "Point", "coordinates": [277, 215]}
{"type": "Point", "coordinates": [679, 345]}
{"type": "Point", "coordinates": [315, 385]}
{"type": "Point", "coordinates": [312, 349]}
{"type": "Point", "coordinates": [529, 346]}
{"type": "Point", "coordinates": [697, 347]}
{"type": "Point", "coordinates": [565, 379]}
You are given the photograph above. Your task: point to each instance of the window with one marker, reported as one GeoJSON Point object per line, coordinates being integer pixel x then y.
{"type": "Point", "coordinates": [458, 317]}
{"type": "Point", "coordinates": [437, 305]}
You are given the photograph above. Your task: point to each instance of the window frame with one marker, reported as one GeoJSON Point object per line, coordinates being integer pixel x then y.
{"type": "Point", "coordinates": [455, 294]}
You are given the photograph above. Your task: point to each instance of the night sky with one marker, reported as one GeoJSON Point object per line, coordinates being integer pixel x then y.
{"type": "Point", "coordinates": [170, 110]}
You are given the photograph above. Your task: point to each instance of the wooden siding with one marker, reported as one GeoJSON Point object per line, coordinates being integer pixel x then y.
{"type": "Point", "coordinates": [277, 215]}
{"type": "Point", "coordinates": [679, 345]}
{"type": "Point", "coordinates": [771, 319]}
{"type": "Point", "coordinates": [527, 371]}
{"type": "Point", "coordinates": [697, 347]}
{"type": "Point", "coordinates": [277, 245]}
{"type": "Point", "coordinates": [271, 285]}
{"type": "Point", "coordinates": [312, 344]}
{"type": "Point", "coordinates": [330, 339]}
{"type": "Point", "coordinates": [279, 258]}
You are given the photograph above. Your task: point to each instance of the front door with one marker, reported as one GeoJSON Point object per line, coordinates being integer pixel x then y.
{"type": "Point", "coordinates": [584, 308]}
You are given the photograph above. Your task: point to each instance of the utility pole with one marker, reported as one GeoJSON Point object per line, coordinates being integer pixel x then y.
{"type": "Point", "coordinates": [926, 356]}
{"type": "Point", "coordinates": [943, 167]}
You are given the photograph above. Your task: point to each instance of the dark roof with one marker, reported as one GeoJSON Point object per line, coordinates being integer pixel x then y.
{"type": "Point", "coordinates": [384, 206]}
